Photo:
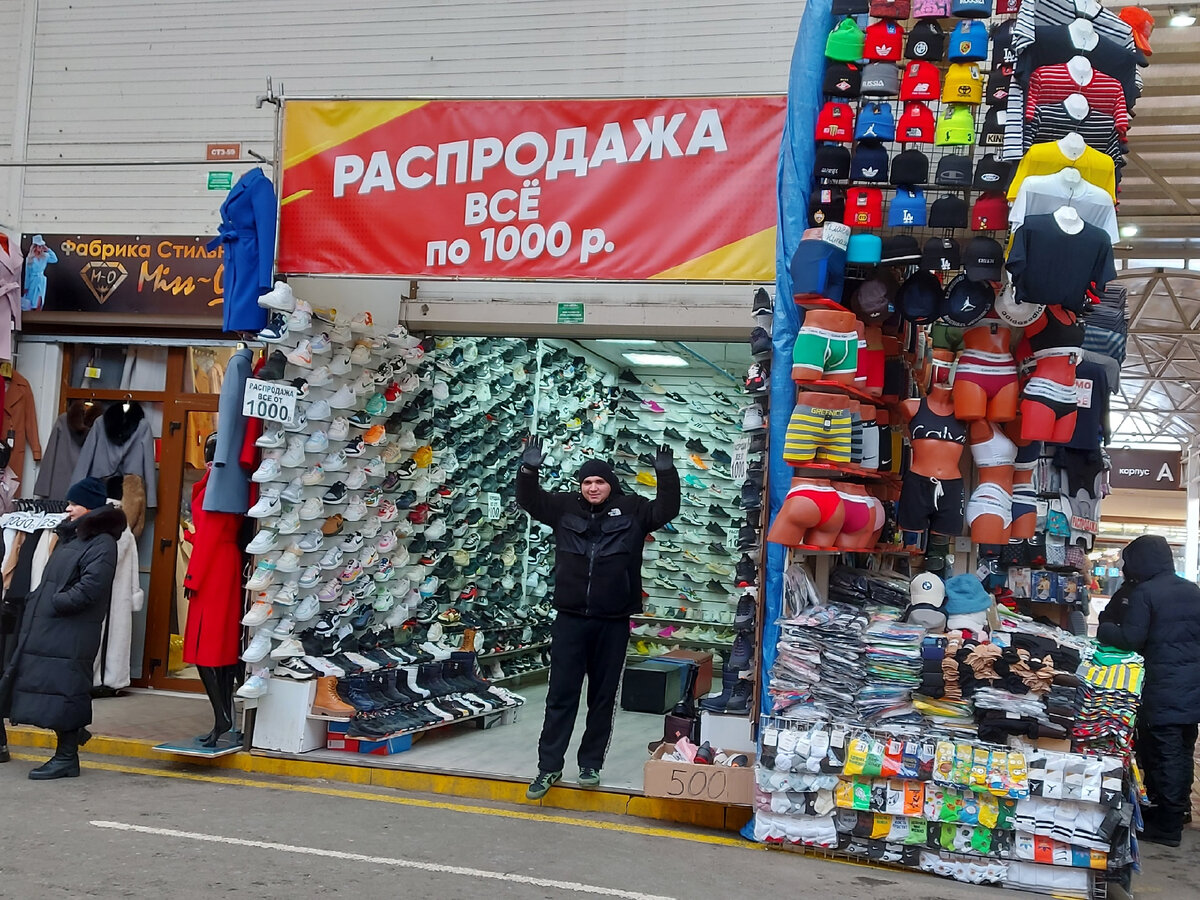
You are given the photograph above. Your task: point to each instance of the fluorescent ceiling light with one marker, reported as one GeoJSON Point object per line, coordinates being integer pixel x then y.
{"type": "Point", "coordinates": [657, 360]}
{"type": "Point", "coordinates": [1181, 18]}
{"type": "Point", "coordinates": [1129, 230]}
{"type": "Point", "coordinates": [629, 342]}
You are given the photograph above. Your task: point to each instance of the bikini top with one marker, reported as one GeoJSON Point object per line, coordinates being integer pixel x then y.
{"type": "Point", "coordinates": [1055, 332]}
{"type": "Point", "coordinates": [928, 425]}
{"type": "Point", "coordinates": [997, 450]}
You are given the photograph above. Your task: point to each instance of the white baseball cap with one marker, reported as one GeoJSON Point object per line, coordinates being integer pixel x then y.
{"type": "Point", "coordinates": [927, 588]}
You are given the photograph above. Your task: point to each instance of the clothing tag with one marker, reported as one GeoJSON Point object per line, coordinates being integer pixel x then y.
{"type": "Point", "coordinates": [91, 372]}
{"type": "Point", "coordinates": [982, 571]}
{"type": "Point", "coordinates": [1083, 392]}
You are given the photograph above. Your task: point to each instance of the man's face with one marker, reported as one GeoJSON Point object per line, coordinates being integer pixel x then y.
{"type": "Point", "coordinates": [74, 511]}
{"type": "Point", "coordinates": [595, 489]}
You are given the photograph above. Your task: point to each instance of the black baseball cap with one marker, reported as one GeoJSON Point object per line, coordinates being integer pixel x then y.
{"type": "Point", "coordinates": [842, 80]}
{"type": "Point", "coordinates": [832, 162]}
{"type": "Point", "coordinates": [920, 297]}
{"type": "Point", "coordinates": [872, 301]}
{"type": "Point", "coordinates": [941, 255]}
{"type": "Point", "coordinates": [926, 41]}
{"type": "Point", "coordinates": [992, 174]}
{"type": "Point", "coordinates": [948, 212]}
{"type": "Point", "coordinates": [953, 170]}
{"type": "Point", "coordinates": [900, 248]}
{"type": "Point", "coordinates": [967, 301]}
{"type": "Point", "coordinates": [910, 167]}
{"type": "Point", "coordinates": [983, 259]}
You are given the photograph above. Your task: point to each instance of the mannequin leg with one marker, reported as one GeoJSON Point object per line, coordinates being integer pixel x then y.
{"type": "Point", "coordinates": [229, 682]}
{"type": "Point", "coordinates": [222, 705]}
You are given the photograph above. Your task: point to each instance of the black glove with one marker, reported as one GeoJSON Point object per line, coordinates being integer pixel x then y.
{"type": "Point", "coordinates": [664, 460]}
{"type": "Point", "coordinates": [533, 455]}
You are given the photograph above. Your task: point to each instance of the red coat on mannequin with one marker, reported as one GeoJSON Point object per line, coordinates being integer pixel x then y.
{"type": "Point", "coordinates": [214, 583]}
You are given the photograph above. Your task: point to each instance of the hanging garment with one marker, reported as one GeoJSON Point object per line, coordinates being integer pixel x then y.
{"type": "Point", "coordinates": [133, 501]}
{"type": "Point", "coordinates": [10, 293]}
{"type": "Point", "coordinates": [120, 445]}
{"type": "Point", "coordinates": [145, 369]}
{"type": "Point", "coordinates": [111, 668]}
{"type": "Point", "coordinates": [248, 232]}
{"type": "Point", "coordinates": [20, 423]}
{"type": "Point", "coordinates": [212, 636]}
{"type": "Point", "coordinates": [67, 435]}
{"type": "Point", "coordinates": [229, 483]}
{"type": "Point", "coordinates": [207, 378]}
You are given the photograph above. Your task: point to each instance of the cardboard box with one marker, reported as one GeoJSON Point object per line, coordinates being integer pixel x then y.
{"type": "Point", "coordinates": [689, 781]}
{"type": "Point", "coordinates": [651, 686]}
{"type": "Point", "coordinates": [336, 739]}
{"type": "Point", "coordinates": [704, 659]}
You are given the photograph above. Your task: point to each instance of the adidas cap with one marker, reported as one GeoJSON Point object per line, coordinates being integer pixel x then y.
{"type": "Point", "coordinates": [870, 163]}
{"type": "Point", "coordinates": [884, 41]}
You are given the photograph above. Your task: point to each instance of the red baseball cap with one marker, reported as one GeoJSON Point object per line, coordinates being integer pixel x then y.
{"type": "Point", "coordinates": [885, 41]}
{"type": "Point", "coordinates": [836, 122]}
{"type": "Point", "coordinates": [922, 81]}
{"type": "Point", "coordinates": [864, 207]}
{"type": "Point", "coordinates": [916, 124]}
{"type": "Point", "coordinates": [990, 212]}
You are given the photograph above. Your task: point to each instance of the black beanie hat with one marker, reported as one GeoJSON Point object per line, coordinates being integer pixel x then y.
{"type": "Point", "coordinates": [89, 493]}
{"type": "Point", "coordinates": [598, 467]}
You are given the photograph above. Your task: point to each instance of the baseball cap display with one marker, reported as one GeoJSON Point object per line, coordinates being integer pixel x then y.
{"type": "Point", "coordinates": [1003, 55]}
{"type": "Point", "coordinates": [864, 207]}
{"type": "Point", "coordinates": [968, 42]}
{"type": "Point", "coordinates": [955, 126]}
{"type": "Point", "coordinates": [864, 249]}
{"type": "Point", "coordinates": [998, 84]}
{"type": "Point", "coordinates": [884, 40]}
{"type": "Point", "coordinates": [983, 260]}
{"type": "Point", "coordinates": [891, 9]}
{"type": "Point", "coordinates": [992, 174]}
{"type": "Point", "coordinates": [1010, 310]}
{"type": "Point", "coordinates": [916, 125]}
{"type": "Point", "coordinates": [990, 212]}
{"type": "Point", "coordinates": [922, 81]}
{"type": "Point", "coordinates": [910, 167]}
{"type": "Point", "coordinates": [926, 41]}
{"type": "Point", "coordinates": [880, 79]}
{"type": "Point", "coordinates": [948, 212]}
{"type": "Point", "coordinates": [953, 171]}
{"type": "Point", "coordinates": [967, 301]}
{"type": "Point", "coordinates": [907, 209]}
{"type": "Point", "coordinates": [875, 123]}
{"type": "Point", "coordinates": [845, 42]}
{"type": "Point", "coordinates": [900, 248]}
{"type": "Point", "coordinates": [992, 133]}
{"type": "Point", "coordinates": [1141, 22]}
{"type": "Point", "coordinates": [920, 297]}
{"type": "Point", "coordinates": [870, 163]}
{"type": "Point", "coordinates": [826, 204]}
{"type": "Point", "coordinates": [964, 84]}
{"type": "Point", "coordinates": [971, 9]}
{"type": "Point", "coordinates": [835, 122]}
{"type": "Point", "coordinates": [832, 163]}
{"type": "Point", "coordinates": [941, 255]}
{"type": "Point", "coordinates": [842, 80]}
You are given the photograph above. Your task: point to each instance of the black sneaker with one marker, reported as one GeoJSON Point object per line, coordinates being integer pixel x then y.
{"type": "Point", "coordinates": [741, 654]}
{"type": "Point", "coordinates": [628, 377]}
{"type": "Point", "coordinates": [623, 413]}
{"type": "Point", "coordinates": [626, 450]}
{"type": "Point", "coordinates": [761, 303]}
{"type": "Point", "coordinates": [760, 342]}
{"type": "Point", "coordinates": [722, 457]}
{"type": "Point", "coordinates": [715, 510]}
{"type": "Point", "coordinates": [678, 398]}
{"type": "Point", "coordinates": [336, 493]}
{"type": "Point", "coordinates": [624, 468]}
{"type": "Point", "coordinates": [647, 459]}
{"type": "Point", "coordinates": [695, 446]}
{"type": "Point", "coordinates": [747, 538]}
{"type": "Point", "coordinates": [715, 586]}
{"type": "Point", "coordinates": [718, 549]}
{"type": "Point", "coordinates": [672, 434]}
{"type": "Point", "coordinates": [273, 369]}
{"type": "Point", "coordinates": [714, 528]}
{"type": "Point", "coordinates": [743, 619]}
{"type": "Point", "coordinates": [540, 786]}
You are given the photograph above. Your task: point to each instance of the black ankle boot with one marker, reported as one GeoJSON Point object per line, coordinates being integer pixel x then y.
{"type": "Point", "coordinates": [65, 761]}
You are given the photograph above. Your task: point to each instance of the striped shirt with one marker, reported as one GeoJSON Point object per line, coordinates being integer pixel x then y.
{"type": "Point", "coordinates": [1054, 84]}
{"type": "Point", "coordinates": [1055, 45]}
{"type": "Point", "coordinates": [1049, 123]}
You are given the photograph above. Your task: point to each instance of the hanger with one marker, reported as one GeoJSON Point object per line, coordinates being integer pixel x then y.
{"type": "Point", "coordinates": [126, 404]}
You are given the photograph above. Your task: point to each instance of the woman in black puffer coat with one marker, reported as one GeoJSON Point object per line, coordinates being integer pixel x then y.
{"type": "Point", "coordinates": [48, 682]}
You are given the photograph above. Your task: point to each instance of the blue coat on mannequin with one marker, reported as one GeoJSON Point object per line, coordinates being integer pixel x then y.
{"type": "Point", "coordinates": [248, 233]}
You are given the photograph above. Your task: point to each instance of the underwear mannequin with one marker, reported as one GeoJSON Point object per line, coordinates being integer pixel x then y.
{"type": "Point", "coordinates": [941, 363]}
{"type": "Point", "coordinates": [1049, 400]}
{"type": "Point", "coordinates": [869, 377]}
{"type": "Point", "coordinates": [821, 430]}
{"type": "Point", "coordinates": [1024, 511]}
{"type": "Point", "coordinates": [985, 381]}
{"type": "Point", "coordinates": [989, 510]}
{"type": "Point", "coordinates": [826, 347]}
{"type": "Point", "coordinates": [812, 514]}
{"type": "Point", "coordinates": [870, 437]}
{"type": "Point", "coordinates": [931, 496]}
{"type": "Point", "coordinates": [863, 520]}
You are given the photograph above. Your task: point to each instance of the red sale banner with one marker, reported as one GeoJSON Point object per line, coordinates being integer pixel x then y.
{"type": "Point", "coordinates": [674, 188]}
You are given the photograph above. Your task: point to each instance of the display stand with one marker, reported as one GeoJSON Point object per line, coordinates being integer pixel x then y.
{"type": "Point", "coordinates": [229, 744]}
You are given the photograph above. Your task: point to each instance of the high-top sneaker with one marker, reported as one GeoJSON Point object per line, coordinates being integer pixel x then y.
{"type": "Point", "coordinates": [739, 697]}
{"type": "Point", "coordinates": [729, 680]}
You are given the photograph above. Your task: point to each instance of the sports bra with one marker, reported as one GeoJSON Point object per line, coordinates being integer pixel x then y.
{"type": "Point", "coordinates": [1055, 332]}
{"type": "Point", "coordinates": [997, 450]}
{"type": "Point", "coordinates": [928, 425]}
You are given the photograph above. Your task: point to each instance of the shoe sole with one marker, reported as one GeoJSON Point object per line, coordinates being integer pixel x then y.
{"type": "Point", "coordinates": [531, 794]}
{"type": "Point", "coordinates": [588, 784]}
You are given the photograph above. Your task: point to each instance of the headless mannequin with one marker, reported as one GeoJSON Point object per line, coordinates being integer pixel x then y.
{"type": "Point", "coordinates": [1068, 220]}
{"type": "Point", "coordinates": [1083, 34]}
{"type": "Point", "coordinates": [989, 528]}
{"type": "Point", "coordinates": [1024, 526]}
{"type": "Point", "coordinates": [971, 398]}
{"type": "Point", "coordinates": [1088, 9]}
{"type": "Point", "coordinates": [1072, 145]}
{"type": "Point", "coordinates": [1077, 106]}
{"type": "Point", "coordinates": [935, 459]}
{"type": "Point", "coordinates": [857, 501]}
{"type": "Point", "coordinates": [828, 320]}
{"type": "Point", "coordinates": [1081, 70]}
{"type": "Point", "coordinates": [218, 681]}
{"type": "Point", "coordinates": [799, 521]}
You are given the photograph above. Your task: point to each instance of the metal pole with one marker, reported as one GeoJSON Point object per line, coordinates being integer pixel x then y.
{"type": "Point", "coordinates": [1191, 548]}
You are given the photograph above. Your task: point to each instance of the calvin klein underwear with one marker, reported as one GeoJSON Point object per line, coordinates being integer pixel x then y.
{"type": "Point", "coordinates": [991, 371]}
{"type": "Point", "coordinates": [832, 352]}
{"type": "Point", "coordinates": [1061, 399]}
{"type": "Point", "coordinates": [991, 499]}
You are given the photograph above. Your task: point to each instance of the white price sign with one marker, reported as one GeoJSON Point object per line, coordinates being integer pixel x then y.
{"type": "Point", "coordinates": [494, 508]}
{"type": "Point", "coordinates": [741, 454]}
{"type": "Point", "coordinates": [270, 401]}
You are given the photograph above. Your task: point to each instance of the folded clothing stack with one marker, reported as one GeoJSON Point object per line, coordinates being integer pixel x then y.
{"type": "Point", "coordinates": [1107, 700]}
{"type": "Point", "coordinates": [894, 667]}
{"type": "Point", "coordinates": [819, 665]}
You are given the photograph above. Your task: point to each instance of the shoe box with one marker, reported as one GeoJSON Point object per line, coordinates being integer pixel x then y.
{"type": "Point", "coordinates": [651, 686]}
{"type": "Point", "coordinates": [702, 658]}
{"type": "Point", "coordinates": [336, 739]}
{"type": "Point", "coordinates": [728, 730]}
{"type": "Point", "coordinates": [695, 781]}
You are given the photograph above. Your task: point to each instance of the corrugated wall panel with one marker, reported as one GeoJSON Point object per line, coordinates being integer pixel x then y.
{"type": "Point", "coordinates": [10, 47]}
{"type": "Point", "coordinates": [151, 80]}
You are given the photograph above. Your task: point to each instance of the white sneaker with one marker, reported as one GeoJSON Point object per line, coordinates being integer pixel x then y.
{"type": "Point", "coordinates": [357, 478]}
{"type": "Point", "coordinates": [307, 608]}
{"type": "Point", "coordinates": [256, 685]}
{"type": "Point", "coordinates": [340, 334]}
{"type": "Point", "coordinates": [289, 522]}
{"type": "Point", "coordinates": [302, 355]}
{"type": "Point", "coordinates": [356, 509]}
{"type": "Point", "coordinates": [318, 442]}
{"type": "Point", "coordinates": [264, 542]}
{"type": "Point", "coordinates": [294, 457]}
{"type": "Point", "coordinates": [369, 558]}
{"type": "Point", "coordinates": [300, 423]}
{"type": "Point", "coordinates": [287, 649]}
{"type": "Point", "coordinates": [321, 344]}
{"type": "Point", "coordinates": [318, 411]}
{"type": "Point", "coordinates": [268, 470]}
{"type": "Point", "coordinates": [339, 429]}
{"type": "Point", "coordinates": [399, 337]}
{"type": "Point", "coordinates": [341, 363]}
{"type": "Point", "coordinates": [334, 461]}
{"type": "Point", "coordinates": [272, 439]}
{"type": "Point", "coordinates": [370, 528]}
{"type": "Point", "coordinates": [351, 542]}
{"type": "Point", "coordinates": [294, 492]}
{"type": "Point", "coordinates": [360, 355]}
{"type": "Point", "coordinates": [258, 648]}
{"type": "Point", "coordinates": [343, 398]}
{"type": "Point", "coordinates": [320, 376]}
{"type": "Point", "coordinates": [435, 529]}
{"type": "Point", "coordinates": [310, 577]}
{"type": "Point", "coordinates": [313, 476]}
{"type": "Point", "coordinates": [362, 323]}
{"type": "Point", "coordinates": [264, 575]}
{"type": "Point", "coordinates": [268, 505]}
{"type": "Point", "coordinates": [332, 559]}
{"type": "Point", "coordinates": [258, 613]}
{"type": "Point", "coordinates": [289, 560]}
{"type": "Point", "coordinates": [299, 320]}
{"type": "Point", "coordinates": [752, 418]}
{"type": "Point", "coordinates": [312, 541]}
{"type": "Point", "coordinates": [279, 297]}
{"type": "Point", "coordinates": [312, 508]}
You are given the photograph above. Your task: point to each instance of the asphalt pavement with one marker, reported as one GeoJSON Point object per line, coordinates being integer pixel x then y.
{"type": "Point", "coordinates": [138, 829]}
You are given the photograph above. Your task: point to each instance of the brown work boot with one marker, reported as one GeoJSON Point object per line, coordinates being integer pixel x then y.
{"type": "Point", "coordinates": [468, 641]}
{"type": "Point", "coordinates": [327, 701]}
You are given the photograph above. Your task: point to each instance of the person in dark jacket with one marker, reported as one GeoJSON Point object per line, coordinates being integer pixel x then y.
{"type": "Point", "coordinates": [599, 533]}
{"type": "Point", "coordinates": [1161, 621]}
{"type": "Point", "coordinates": [49, 680]}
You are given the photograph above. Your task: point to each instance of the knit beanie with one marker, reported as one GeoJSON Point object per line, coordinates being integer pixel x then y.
{"type": "Point", "coordinates": [599, 468]}
{"type": "Point", "coordinates": [89, 493]}
{"type": "Point", "coordinates": [965, 594]}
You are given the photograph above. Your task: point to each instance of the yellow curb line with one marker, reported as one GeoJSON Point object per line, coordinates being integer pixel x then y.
{"type": "Point", "coordinates": [703, 815]}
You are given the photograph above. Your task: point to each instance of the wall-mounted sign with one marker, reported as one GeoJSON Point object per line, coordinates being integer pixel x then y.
{"type": "Point", "coordinates": [222, 152]}
{"type": "Point", "coordinates": [1157, 470]}
{"type": "Point", "coordinates": [158, 276]}
{"type": "Point", "coordinates": [220, 181]}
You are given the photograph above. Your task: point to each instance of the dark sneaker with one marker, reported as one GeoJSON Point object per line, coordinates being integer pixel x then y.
{"type": "Point", "coordinates": [743, 619]}
{"type": "Point", "coordinates": [760, 342]}
{"type": "Point", "coordinates": [588, 777]}
{"type": "Point", "coordinates": [761, 303]}
{"type": "Point", "coordinates": [739, 698]}
{"type": "Point", "coordinates": [672, 434]}
{"type": "Point", "coordinates": [540, 786]}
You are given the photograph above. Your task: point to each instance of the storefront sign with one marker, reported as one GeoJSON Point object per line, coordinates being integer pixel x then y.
{"type": "Point", "coordinates": [675, 188]}
{"type": "Point", "coordinates": [158, 276]}
{"type": "Point", "coordinates": [570, 314]}
{"type": "Point", "coordinates": [269, 400]}
{"type": "Point", "coordinates": [1156, 470]}
{"type": "Point", "coordinates": [220, 181]}
{"type": "Point", "coordinates": [222, 152]}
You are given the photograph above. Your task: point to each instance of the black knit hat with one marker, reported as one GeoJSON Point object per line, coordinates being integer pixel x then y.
{"type": "Point", "coordinates": [90, 493]}
{"type": "Point", "coordinates": [599, 468]}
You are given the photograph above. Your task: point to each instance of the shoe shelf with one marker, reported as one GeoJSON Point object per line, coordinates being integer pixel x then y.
{"type": "Point", "coordinates": [433, 727]}
{"type": "Point", "coordinates": [519, 678]}
{"type": "Point", "coordinates": [672, 619]}
{"type": "Point", "coordinates": [505, 653]}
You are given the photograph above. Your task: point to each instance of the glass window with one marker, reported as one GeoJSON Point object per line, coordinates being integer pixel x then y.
{"type": "Point", "coordinates": [205, 371]}
{"type": "Point", "coordinates": [119, 367]}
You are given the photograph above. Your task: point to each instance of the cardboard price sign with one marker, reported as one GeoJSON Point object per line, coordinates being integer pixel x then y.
{"type": "Point", "coordinates": [698, 782]}
{"type": "Point", "coordinates": [270, 401]}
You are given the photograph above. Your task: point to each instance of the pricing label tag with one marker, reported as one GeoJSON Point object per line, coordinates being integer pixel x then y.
{"type": "Point", "coordinates": [494, 508]}
{"type": "Point", "coordinates": [270, 401]}
{"type": "Point", "coordinates": [740, 459]}
{"type": "Point", "coordinates": [91, 372]}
